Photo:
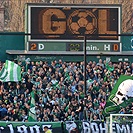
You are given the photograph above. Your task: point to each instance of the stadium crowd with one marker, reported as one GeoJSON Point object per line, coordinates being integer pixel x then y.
{"type": "Point", "coordinates": [59, 90]}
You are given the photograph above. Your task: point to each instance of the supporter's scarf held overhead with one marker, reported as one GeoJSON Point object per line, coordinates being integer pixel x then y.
{"type": "Point", "coordinates": [10, 72]}
{"type": "Point", "coordinates": [109, 68]}
{"type": "Point", "coordinates": [121, 96]}
{"type": "Point", "coordinates": [32, 111]}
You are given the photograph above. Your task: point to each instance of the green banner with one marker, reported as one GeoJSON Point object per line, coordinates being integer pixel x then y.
{"type": "Point", "coordinates": [29, 127]}
{"type": "Point", "coordinates": [121, 95]}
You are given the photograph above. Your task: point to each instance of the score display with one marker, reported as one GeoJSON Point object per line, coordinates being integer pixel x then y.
{"type": "Point", "coordinates": [99, 47]}
{"type": "Point", "coordinates": [67, 23]}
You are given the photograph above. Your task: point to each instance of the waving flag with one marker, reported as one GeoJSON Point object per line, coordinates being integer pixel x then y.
{"type": "Point", "coordinates": [32, 112]}
{"type": "Point", "coordinates": [10, 72]}
{"type": "Point", "coordinates": [121, 95]}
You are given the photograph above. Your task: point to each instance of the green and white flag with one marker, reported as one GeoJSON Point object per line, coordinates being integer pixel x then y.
{"type": "Point", "coordinates": [10, 72]}
{"type": "Point", "coordinates": [121, 95]}
{"type": "Point", "coordinates": [32, 111]}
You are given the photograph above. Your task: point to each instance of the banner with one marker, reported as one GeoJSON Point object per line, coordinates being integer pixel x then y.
{"type": "Point", "coordinates": [69, 127]}
{"type": "Point", "coordinates": [126, 127]}
{"type": "Point", "coordinates": [121, 95]}
{"type": "Point", "coordinates": [85, 127]}
{"type": "Point", "coordinates": [29, 127]}
{"type": "Point", "coordinates": [98, 127]}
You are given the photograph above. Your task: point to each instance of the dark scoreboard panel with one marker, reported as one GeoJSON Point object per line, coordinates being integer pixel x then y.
{"type": "Point", "coordinates": [67, 22]}
{"type": "Point", "coordinates": [62, 27]}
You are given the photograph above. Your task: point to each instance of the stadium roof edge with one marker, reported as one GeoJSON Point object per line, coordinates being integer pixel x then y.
{"type": "Point", "coordinates": [25, 52]}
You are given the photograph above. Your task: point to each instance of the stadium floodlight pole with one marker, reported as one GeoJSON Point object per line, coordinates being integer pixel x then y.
{"type": "Point", "coordinates": [85, 118]}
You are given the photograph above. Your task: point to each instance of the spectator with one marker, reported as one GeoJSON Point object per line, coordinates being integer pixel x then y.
{"type": "Point", "coordinates": [80, 110]}
{"type": "Point", "coordinates": [46, 130]}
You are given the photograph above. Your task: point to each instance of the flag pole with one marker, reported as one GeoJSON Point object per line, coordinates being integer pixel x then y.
{"type": "Point", "coordinates": [85, 117]}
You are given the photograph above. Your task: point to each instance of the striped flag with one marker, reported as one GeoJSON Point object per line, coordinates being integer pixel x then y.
{"type": "Point", "coordinates": [10, 72]}
{"type": "Point", "coordinates": [32, 112]}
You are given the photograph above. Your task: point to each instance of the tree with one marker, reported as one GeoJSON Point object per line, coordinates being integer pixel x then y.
{"type": "Point", "coordinates": [15, 11]}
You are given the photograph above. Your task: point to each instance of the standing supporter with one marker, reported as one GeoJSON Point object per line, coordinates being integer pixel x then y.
{"type": "Point", "coordinates": [100, 63]}
{"type": "Point", "coordinates": [1, 91]}
{"type": "Point", "coordinates": [102, 103]}
{"type": "Point", "coordinates": [80, 110]}
{"type": "Point", "coordinates": [73, 116]}
{"type": "Point", "coordinates": [29, 85]}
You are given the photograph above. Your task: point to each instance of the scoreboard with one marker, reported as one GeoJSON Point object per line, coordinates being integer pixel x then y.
{"type": "Point", "coordinates": [91, 47]}
{"type": "Point", "coordinates": [62, 27]}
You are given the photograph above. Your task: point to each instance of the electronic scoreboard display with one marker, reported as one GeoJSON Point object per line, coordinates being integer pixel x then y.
{"type": "Point", "coordinates": [69, 23]}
